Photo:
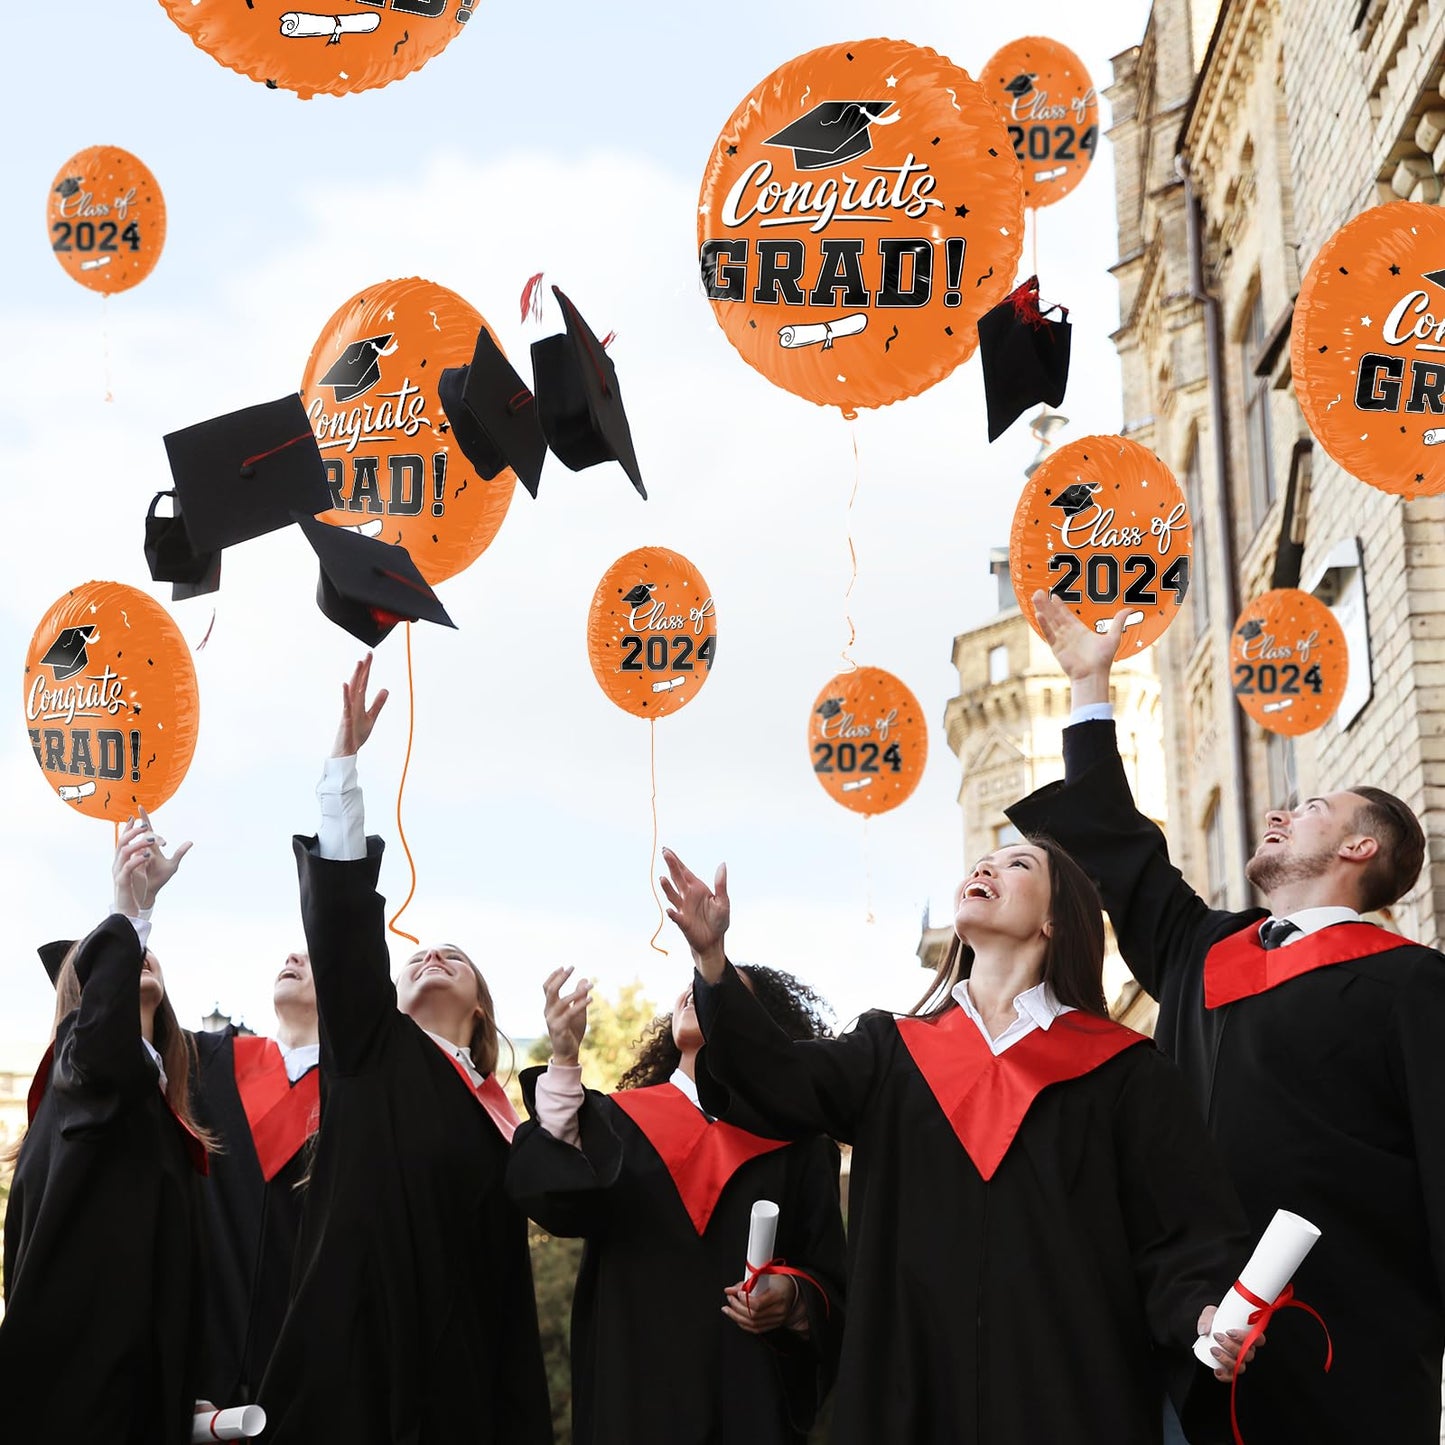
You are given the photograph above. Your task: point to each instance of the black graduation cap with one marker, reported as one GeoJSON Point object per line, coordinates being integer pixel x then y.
{"type": "Point", "coordinates": [493, 415]}
{"type": "Point", "coordinates": [68, 186]}
{"type": "Point", "coordinates": [1021, 84]}
{"type": "Point", "coordinates": [1072, 500]}
{"type": "Point", "coordinates": [242, 475]}
{"type": "Point", "coordinates": [579, 400]}
{"type": "Point", "coordinates": [639, 594]}
{"type": "Point", "coordinates": [1025, 356]}
{"type": "Point", "coordinates": [171, 558]}
{"type": "Point", "coordinates": [357, 369]}
{"type": "Point", "coordinates": [830, 707]}
{"type": "Point", "coordinates": [1438, 277]}
{"type": "Point", "coordinates": [1251, 629]}
{"type": "Point", "coordinates": [52, 955]}
{"type": "Point", "coordinates": [66, 655]}
{"type": "Point", "coordinates": [366, 585]}
{"type": "Point", "coordinates": [832, 132]}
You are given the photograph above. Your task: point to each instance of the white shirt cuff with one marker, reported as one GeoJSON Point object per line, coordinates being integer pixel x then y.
{"type": "Point", "coordinates": [142, 926]}
{"type": "Point", "coordinates": [342, 831]}
{"type": "Point", "coordinates": [1091, 712]}
{"type": "Point", "coordinates": [558, 1099]}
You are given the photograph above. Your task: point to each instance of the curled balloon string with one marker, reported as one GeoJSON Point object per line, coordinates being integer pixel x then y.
{"type": "Point", "coordinates": [400, 788]}
{"type": "Point", "coordinates": [105, 342]}
{"type": "Point", "coordinates": [867, 873]}
{"type": "Point", "coordinates": [846, 655]}
{"type": "Point", "coordinates": [652, 856]}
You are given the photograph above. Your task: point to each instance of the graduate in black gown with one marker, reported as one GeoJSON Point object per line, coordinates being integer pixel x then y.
{"type": "Point", "coordinates": [104, 1236]}
{"type": "Point", "coordinates": [412, 1320]}
{"type": "Point", "coordinates": [261, 1099]}
{"type": "Point", "coordinates": [1037, 1223]}
{"type": "Point", "coordinates": [1314, 1050]}
{"type": "Point", "coordinates": [670, 1342]}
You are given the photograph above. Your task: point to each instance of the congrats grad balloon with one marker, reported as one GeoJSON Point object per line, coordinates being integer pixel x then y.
{"type": "Point", "coordinates": [1103, 525]}
{"type": "Point", "coordinates": [1289, 661]}
{"type": "Point", "coordinates": [370, 394]}
{"type": "Point", "coordinates": [860, 212]}
{"type": "Point", "coordinates": [367, 44]}
{"type": "Point", "coordinates": [110, 701]}
{"type": "Point", "coordinates": [652, 632]}
{"type": "Point", "coordinates": [107, 219]}
{"type": "Point", "coordinates": [1367, 348]}
{"type": "Point", "coordinates": [868, 740]}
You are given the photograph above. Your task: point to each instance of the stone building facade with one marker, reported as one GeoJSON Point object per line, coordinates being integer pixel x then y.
{"type": "Point", "coordinates": [1245, 133]}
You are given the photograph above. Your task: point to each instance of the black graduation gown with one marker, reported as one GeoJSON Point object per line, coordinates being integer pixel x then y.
{"type": "Point", "coordinates": [104, 1246]}
{"type": "Point", "coordinates": [1324, 1095]}
{"type": "Point", "coordinates": [1038, 1305]}
{"type": "Point", "coordinates": [653, 1358]}
{"type": "Point", "coordinates": [253, 1221]}
{"type": "Point", "coordinates": [412, 1320]}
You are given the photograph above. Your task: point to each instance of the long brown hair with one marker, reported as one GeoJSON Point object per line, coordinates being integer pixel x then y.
{"type": "Point", "coordinates": [171, 1042]}
{"type": "Point", "coordinates": [1073, 953]}
{"type": "Point", "coordinates": [484, 1044]}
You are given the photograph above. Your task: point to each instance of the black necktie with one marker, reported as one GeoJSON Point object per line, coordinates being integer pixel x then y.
{"type": "Point", "coordinates": [1275, 931]}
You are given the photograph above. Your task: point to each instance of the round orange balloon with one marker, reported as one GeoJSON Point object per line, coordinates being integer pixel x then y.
{"type": "Point", "coordinates": [860, 212]}
{"type": "Point", "coordinates": [107, 219]}
{"type": "Point", "coordinates": [652, 632]}
{"type": "Point", "coordinates": [1367, 348]}
{"type": "Point", "coordinates": [1289, 661]}
{"type": "Point", "coordinates": [110, 701]}
{"type": "Point", "coordinates": [322, 53]}
{"type": "Point", "coordinates": [868, 740]}
{"type": "Point", "coordinates": [1052, 112]}
{"type": "Point", "coordinates": [1103, 525]}
{"type": "Point", "coordinates": [370, 393]}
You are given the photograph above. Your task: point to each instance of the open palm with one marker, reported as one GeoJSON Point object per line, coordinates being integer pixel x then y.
{"type": "Point", "coordinates": [700, 912]}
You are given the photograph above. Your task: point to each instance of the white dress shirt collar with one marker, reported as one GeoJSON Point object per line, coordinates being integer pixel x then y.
{"type": "Point", "coordinates": [299, 1060]}
{"type": "Point", "coordinates": [156, 1059]}
{"type": "Point", "coordinates": [458, 1052]}
{"type": "Point", "coordinates": [687, 1088]}
{"type": "Point", "coordinates": [1311, 920]}
{"type": "Point", "coordinates": [1036, 1007]}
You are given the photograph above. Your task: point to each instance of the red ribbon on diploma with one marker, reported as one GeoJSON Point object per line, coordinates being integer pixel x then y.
{"type": "Point", "coordinates": [778, 1266]}
{"type": "Point", "coordinates": [1265, 1311]}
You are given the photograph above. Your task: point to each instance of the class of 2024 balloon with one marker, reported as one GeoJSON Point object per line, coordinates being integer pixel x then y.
{"type": "Point", "coordinates": [868, 740]}
{"type": "Point", "coordinates": [1288, 661]}
{"type": "Point", "coordinates": [107, 219]}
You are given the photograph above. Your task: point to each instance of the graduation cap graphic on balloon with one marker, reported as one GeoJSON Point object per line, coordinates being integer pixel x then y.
{"type": "Point", "coordinates": [829, 707]}
{"type": "Point", "coordinates": [1251, 629]}
{"type": "Point", "coordinates": [68, 186]}
{"type": "Point", "coordinates": [639, 595]}
{"type": "Point", "coordinates": [357, 369]}
{"type": "Point", "coordinates": [1021, 85]}
{"type": "Point", "coordinates": [833, 132]}
{"type": "Point", "coordinates": [66, 655]}
{"type": "Point", "coordinates": [1025, 355]}
{"type": "Point", "coordinates": [1074, 499]}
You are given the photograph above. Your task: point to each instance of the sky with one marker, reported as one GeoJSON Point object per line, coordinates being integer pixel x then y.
{"type": "Point", "coordinates": [571, 140]}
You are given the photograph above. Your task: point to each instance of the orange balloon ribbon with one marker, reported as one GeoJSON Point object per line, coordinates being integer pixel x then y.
{"type": "Point", "coordinates": [1367, 348]}
{"type": "Point", "coordinates": [107, 219]}
{"type": "Point", "coordinates": [110, 701]}
{"type": "Point", "coordinates": [1104, 526]}
{"type": "Point", "coordinates": [370, 394]}
{"type": "Point", "coordinates": [868, 740]}
{"type": "Point", "coordinates": [861, 210]}
{"type": "Point", "coordinates": [1289, 661]}
{"type": "Point", "coordinates": [1052, 111]}
{"type": "Point", "coordinates": [334, 51]}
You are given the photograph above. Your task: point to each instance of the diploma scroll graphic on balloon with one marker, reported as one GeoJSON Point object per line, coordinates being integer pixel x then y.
{"type": "Point", "coordinates": [307, 25]}
{"type": "Point", "coordinates": [827, 332]}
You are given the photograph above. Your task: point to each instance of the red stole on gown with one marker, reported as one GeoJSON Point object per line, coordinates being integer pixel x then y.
{"type": "Point", "coordinates": [1240, 966]}
{"type": "Point", "coordinates": [281, 1115]}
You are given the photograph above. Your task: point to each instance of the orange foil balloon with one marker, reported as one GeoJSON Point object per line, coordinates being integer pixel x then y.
{"type": "Point", "coordinates": [1052, 112]}
{"type": "Point", "coordinates": [1368, 348]}
{"type": "Point", "coordinates": [1289, 661]}
{"type": "Point", "coordinates": [860, 212]}
{"type": "Point", "coordinates": [110, 701]}
{"type": "Point", "coordinates": [652, 632]}
{"type": "Point", "coordinates": [1103, 525]}
{"type": "Point", "coordinates": [107, 219]}
{"type": "Point", "coordinates": [370, 392]}
{"type": "Point", "coordinates": [868, 740]}
{"type": "Point", "coordinates": [322, 53]}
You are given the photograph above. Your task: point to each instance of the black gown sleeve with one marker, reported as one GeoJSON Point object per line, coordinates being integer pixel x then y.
{"type": "Point", "coordinates": [1092, 816]}
{"type": "Point", "coordinates": [562, 1188]}
{"type": "Point", "coordinates": [103, 1051]}
{"type": "Point", "coordinates": [344, 918]}
{"type": "Point", "coordinates": [751, 1073]}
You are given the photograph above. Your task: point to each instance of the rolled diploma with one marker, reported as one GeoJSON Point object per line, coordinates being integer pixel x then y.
{"type": "Point", "coordinates": [243, 1423]}
{"type": "Point", "coordinates": [762, 1231]}
{"type": "Point", "coordinates": [307, 25]}
{"type": "Point", "coordinates": [1279, 1253]}
{"type": "Point", "coordinates": [812, 334]}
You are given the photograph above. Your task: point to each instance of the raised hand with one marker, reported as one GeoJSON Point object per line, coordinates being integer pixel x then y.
{"type": "Point", "coordinates": [357, 720]}
{"type": "Point", "coordinates": [140, 868]}
{"type": "Point", "coordinates": [702, 913]}
{"type": "Point", "coordinates": [566, 1017]}
{"type": "Point", "coordinates": [1084, 656]}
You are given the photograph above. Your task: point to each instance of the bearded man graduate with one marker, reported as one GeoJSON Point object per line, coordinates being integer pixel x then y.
{"type": "Point", "coordinates": [1314, 1044]}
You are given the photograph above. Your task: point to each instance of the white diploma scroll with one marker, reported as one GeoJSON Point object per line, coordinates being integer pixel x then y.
{"type": "Point", "coordinates": [1279, 1253]}
{"type": "Point", "coordinates": [822, 332]}
{"type": "Point", "coordinates": [307, 25]}
{"type": "Point", "coordinates": [762, 1232]}
{"type": "Point", "coordinates": [243, 1423]}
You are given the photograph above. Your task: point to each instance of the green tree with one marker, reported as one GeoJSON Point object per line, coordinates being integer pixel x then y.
{"type": "Point", "coordinates": [613, 1032]}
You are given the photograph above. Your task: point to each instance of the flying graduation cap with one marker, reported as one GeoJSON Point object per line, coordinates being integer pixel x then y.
{"type": "Point", "coordinates": [66, 655]}
{"type": "Point", "coordinates": [357, 369]}
{"type": "Point", "coordinates": [171, 557]}
{"type": "Point", "coordinates": [1025, 356]}
{"type": "Point", "coordinates": [579, 400]}
{"type": "Point", "coordinates": [366, 585]}
{"type": "Point", "coordinates": [493, 415]}
{"type": "Point", "coordinates": [831, 133]}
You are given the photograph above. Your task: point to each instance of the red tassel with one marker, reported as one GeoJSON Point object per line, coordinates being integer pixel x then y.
{"type": "Point", "coordinates": [532, 298]}
{"type": "Point", "coordinates": [1025, 302]}
{"type": "Point", "coordinates": [608, 339]}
